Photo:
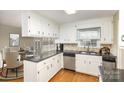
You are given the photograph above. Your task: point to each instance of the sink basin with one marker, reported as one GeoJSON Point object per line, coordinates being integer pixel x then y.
{"type": "Point", "coordinates": [90, 52]}
{"type": "Point", "coordinates": [93, 53]}
{"type": "Point", "coordinates": [84, 52]}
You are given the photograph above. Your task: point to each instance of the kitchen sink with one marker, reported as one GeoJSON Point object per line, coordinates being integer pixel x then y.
{"type": "Point", "coordinates": [90, 52]}
{"type": "Point", "coordinates": [84, 52]}
{"type": "Point", "coordinates": [93, 53]}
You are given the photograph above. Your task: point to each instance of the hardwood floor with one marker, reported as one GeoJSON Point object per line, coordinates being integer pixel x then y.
{"type": "Point", "coordinates": [71, 76]}
{"type": "Point", "coordinates": [66, 76]}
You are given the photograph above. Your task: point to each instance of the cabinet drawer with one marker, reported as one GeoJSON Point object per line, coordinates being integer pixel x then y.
{"type": "Point", "coordinates": [42, 64]}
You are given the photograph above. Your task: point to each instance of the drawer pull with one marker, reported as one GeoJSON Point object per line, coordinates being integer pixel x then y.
{"type": "Point", "coordinates": [38, 72]}
{"type": "Point", "coordinates": [51, 65]}
{"type": "Point", "coordinates": [89, 62]}
{"type": "Point", "coordinates": [47, 67]}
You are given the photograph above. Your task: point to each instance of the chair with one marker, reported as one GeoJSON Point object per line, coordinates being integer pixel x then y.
{"type": "Point", "coordinates": [2, 61]}
{"type": "Point", "coordinates": [12, 62]}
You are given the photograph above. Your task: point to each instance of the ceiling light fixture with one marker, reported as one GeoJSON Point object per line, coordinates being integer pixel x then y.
{"type": "Point", "coordinates": [69, 12]}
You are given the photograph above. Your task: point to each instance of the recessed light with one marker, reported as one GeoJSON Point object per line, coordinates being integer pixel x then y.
{"type": "Point", "coordinates": [69, 12]}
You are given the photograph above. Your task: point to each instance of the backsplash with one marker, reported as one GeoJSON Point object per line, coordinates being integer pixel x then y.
{"type": "Point", "coordinates": [75, 47]}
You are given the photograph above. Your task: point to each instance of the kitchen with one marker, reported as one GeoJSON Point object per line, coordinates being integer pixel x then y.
{"type": "Point", "coordinates": [81, 42]}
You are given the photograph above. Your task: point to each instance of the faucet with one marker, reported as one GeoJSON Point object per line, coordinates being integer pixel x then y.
{"type": "Point", "coordinates": [88, 47]}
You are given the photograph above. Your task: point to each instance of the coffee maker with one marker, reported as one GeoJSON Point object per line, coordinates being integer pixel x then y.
{"type": "Point", "coordinates": [60, 47]}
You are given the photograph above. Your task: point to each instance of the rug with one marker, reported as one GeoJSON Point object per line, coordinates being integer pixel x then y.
{"type": "Point", "coordinates": [11, 74]}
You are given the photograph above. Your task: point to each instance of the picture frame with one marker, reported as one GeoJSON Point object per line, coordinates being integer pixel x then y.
{"type": "Point", "coordinates": [14, 40]}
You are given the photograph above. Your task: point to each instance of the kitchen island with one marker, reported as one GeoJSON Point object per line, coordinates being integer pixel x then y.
{"type": "Point", "coordinates": [43, 67]}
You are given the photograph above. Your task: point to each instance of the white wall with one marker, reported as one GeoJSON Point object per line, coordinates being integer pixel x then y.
{"type": "Point", "coordinates": [4, 36]}
{"type": "Point", "coordinates": [114, 49]}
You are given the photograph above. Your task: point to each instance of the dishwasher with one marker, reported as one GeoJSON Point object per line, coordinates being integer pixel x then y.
{"type": "Point", "coordinates": [69, 61]}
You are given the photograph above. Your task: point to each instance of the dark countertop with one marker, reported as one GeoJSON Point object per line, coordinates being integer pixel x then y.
{"type": "Point", "coordinates": [113, 75]}
{"type": "Point", "coordinates": [42, 56]}
{"type": "Point", "coordinates": [69, 52]}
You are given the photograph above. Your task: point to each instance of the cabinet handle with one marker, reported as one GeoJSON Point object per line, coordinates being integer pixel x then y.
{"type": "Point", "coordinates": [38, 72]}
{"type": "Point", "coordinates": [38, 32]}
{"type": "Point", "coordinates": [44, 63]}
{"type": "Point", "coordinates": [89, 62]}
{"type": "Point", "coordinates": [104, 39]}
{"type": "Point", "coordinates": [43, 33]}
{"type": "Point", "coordinates": [51, 65]}
{"type": "Point", "coordinates": [29, 30]}
{"type": "Point", "coordinates": [47, 67]}
{"type": "Point", "coordinates": [28, 17]}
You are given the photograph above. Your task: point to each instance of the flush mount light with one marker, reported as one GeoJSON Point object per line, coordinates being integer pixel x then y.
{"type": "Point", "coordinates": [69, 12]}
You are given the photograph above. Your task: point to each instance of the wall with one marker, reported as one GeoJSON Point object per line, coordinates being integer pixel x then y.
{"type": "Point", "coordinates": [74, 47]}
{"type": "Point", "coordinates": [4, 36]}
{"type": "Point", "coordinates": [94, 23]}
{"type": "Point", "coordinates": [120, 63]}
{"type": "Point", "coordinates": [115, 33]}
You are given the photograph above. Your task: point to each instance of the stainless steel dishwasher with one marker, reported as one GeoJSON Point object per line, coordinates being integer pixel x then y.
{"type": "Point", "coordinates": [69, 60]}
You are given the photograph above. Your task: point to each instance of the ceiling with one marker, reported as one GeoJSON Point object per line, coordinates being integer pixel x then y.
{"type": "Point", "coordinates": [13, 17]}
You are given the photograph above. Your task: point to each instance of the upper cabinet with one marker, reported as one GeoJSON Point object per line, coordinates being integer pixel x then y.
{"type": "Point", "coordinates": [107, 31]}
{"type": "Point", "coordinates": [68, 31]}
{"type": "Point", "coordinates": [34, 25]}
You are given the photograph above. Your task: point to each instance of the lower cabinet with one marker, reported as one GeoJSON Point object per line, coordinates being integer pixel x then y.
{"type": "Point", "coordinates": [88, 64]}
{"type": "Point", "coordinates": [42, 71]}
{"type": "Point", "coordinates": [43, 74]}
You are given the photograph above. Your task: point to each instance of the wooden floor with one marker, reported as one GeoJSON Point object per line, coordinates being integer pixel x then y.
{"type": "Point", "coordinates": [67, 76]}
{"type": "Point", "coordinates": [71, 76]}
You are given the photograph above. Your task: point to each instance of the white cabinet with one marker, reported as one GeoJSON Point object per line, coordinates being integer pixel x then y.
{"type": "Point", "coordinates": [34, 25]}
{"type": "Point", "coordinates": [30, 24]}
{"type": "Point", "coordinates": [107, 32]}
{"type": "Point", "coordinates": [88, 64]}
{"type": "Point", "coordinates": [67, 33]}
{"type": "Point", "coordinates": [81, 65]}
{"type": "Point", "coordinates": [43, 74]}
{"type": "Point", "coordinates": [42, 71]}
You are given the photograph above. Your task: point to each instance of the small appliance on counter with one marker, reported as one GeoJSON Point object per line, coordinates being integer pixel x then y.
{"type": "Point", "coordinates": [60, 47]}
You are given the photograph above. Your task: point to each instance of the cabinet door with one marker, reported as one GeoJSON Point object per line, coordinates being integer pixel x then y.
{"type": "Point", "coordinates": [52, 66]}
{"type": "Point", "coordinates": [81, 64]}
{"type": "Point", "coordinates": [93, 65]}
{"type": "Point", "coordinates": [61, 59]}
{"type": "Point", "coordinates": [58, 63]}
{"type": "Point", "coordinates": [68, 33]}
{"type": "Point", "coordinates": [107, 33]}
{"type": "Point", "coordinates": [43, 74]}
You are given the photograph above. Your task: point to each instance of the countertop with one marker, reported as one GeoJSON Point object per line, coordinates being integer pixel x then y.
{"type": "Point", "coordinates": [113, 75]}
{"type": "Point", "coordinates": [69, 52]}
{"type": "Point", "coordinates": [42, 56]}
